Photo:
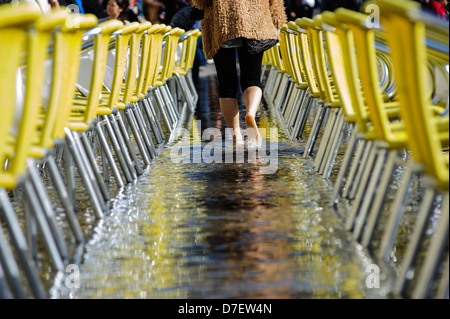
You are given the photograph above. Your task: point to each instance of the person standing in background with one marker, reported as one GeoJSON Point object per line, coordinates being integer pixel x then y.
{"type": "Point", "coordinates": [225, 24]}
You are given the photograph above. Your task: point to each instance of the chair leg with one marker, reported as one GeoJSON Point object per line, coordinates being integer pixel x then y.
{"type": "Point", "coordinates": [65, 199]}
{"type": "Point", "coordinates": [128, 143]}
{"type": "Point", "coordinates": [337, 187]}
{"type": "Point", "coordinates": [137, 135]}
{"type": "Point", "coordinates": [326, 141]}
{"type": "Point", "coordinates": [144, 131]}
{"type": "Point", "coordinates": [9, 268]}
{"type": "Point", "coordinates": [379, 199]}
{"type": "Point", "coordinates": [395, 216]}
{"type": "Point", "coordinates": [162, 110]}
{"type": "Point", "coordinates": [191, 86]}
{"type": "Point", "coordinates": [368, 197]}
{"type": "Point", "coordinates": [302, 117]}
{"type": "Point", "coordinates": [118, 150]}
{"type": "Point", "coordinates": [46, 208]}
{"type": "Point", "coordinates": [88, 178]}
{"type": "Point", "coordinates": [321, 114]}
{"type": "Point", "coordinates": [185, 92]}
{"type": "Point", "coordinates": [434, 256]}
{"type": "Point", "coordinates": [298, 106]}
{"type": "Point", "coordinates": [355, 166]}
{"type": "Point", "coordinates": [326, 171]}
{"type": "Point", "coordinates": [4, 291]}
{"type": "Point", "coordinates": [170, 105]}
{"type": "Point", "coordinates": [362, 186]}
{"type": "Point", "coordinates": [151, 117]}
{"type": "Point", "coordinates": [286, 108]}
{"type": "Point", "coordinates": [414, 243]}
{"type": "Point", "coordinates": [44, 228]}
{"type": "Point", "coordinates": [108, 157]}
{"type": "Point", "coordinates": [295, 106]}
{"type": "Point", "coordinates": [20, 244]}
{"type": "Point", "coordinates": [93, 165]}
{"type": "Point", "coordinates": [123, 147]}
{"type": "Point", "coordinates": [442, 292]}
{"type": "Point", "coordinates": [367, 158]}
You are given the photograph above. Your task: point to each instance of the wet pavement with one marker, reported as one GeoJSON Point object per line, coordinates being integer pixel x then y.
{"type": "Point", "coordinates": [194, 229]}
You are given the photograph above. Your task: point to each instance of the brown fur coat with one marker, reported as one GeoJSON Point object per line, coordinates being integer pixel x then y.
{"type": "Point", "coordinates": [230, 19]}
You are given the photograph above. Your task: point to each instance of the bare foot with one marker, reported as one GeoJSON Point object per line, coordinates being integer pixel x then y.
{"type": "Point", "coordinates": [251, 124]}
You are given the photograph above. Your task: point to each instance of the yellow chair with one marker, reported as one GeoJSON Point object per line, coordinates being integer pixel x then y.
{"type": "Point", "coordinates": [130, 95]}
{"type": "Point", "coordinates": [15, 33]}
{"type": "Point", "coordinates": [143, 105]}
{"type": "Point", "coordinates": [297, 88]}
{"type": "Point", "coordinates": [161, 92]}
{"type": "Point", "coordinates": [417, 38]}
{"type": "Point", "coordinates": [72, 118]}
{"type": "Point", "coordinates": [112, 107]}
{"type": "Point", "coordinates": [277, 80]}
{"type": "Point", "coordinates": [188, 40]}
{"type": "Point", "coordinates": [377, 118]}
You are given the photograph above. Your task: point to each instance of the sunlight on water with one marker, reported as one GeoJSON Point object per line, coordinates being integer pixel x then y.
{"type": "Point", "coordinates": [223, 230]}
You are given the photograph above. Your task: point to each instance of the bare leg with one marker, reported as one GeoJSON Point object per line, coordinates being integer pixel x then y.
{"type": "Point", "coordinates": [252, 98]}
{"type": "Point", "coordinates": [230, 111]}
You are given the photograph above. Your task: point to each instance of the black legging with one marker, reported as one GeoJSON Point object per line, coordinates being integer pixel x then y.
{"type": "Point", "coordinates": [225, 62]}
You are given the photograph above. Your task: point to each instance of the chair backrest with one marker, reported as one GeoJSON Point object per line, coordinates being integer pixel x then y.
{"type": "Point", "coordinates": [307, 58]}
{"type": "Point", "coordinates": [15, 23]}
{"type": "Point", "coordinates": [341, 71]}
{"type": "Point", "coordinates": [147, 38]}
{"type": "Point", "coordinates": [368, 61]}
{"type": "Point", "coordinates": [170, 48]}
{"type": "Point", "coordinates": [155, 49]}
{"type": "Point", "coordinates": [191, 50]}
{"type": "Point", "coordinates": [37, 52]}
{"type": "Point", "coordinates": [135, 45]}
{"type": "Point", "coordinates": [101, 44]}
{"type": "Point", "coordinates": [66, 61]}
{"type": "Point", "coordinates": [122, 41]}
{"type": "Point", "coordinates": [293, 45]}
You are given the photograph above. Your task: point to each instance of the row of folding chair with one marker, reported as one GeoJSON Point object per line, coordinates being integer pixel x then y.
{"type": "Point", "coordinates": [75, 93]}
{"type": "Point", "coordinates": [380, 84]}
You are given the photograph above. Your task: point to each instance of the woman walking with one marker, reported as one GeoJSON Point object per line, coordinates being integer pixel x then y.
{"type": "Point", "coordinates": [251, 27]}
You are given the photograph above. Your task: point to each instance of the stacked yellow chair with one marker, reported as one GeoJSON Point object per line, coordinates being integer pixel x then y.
{"type": "Point", "coordinates": [161, 92]}
{"type": "Point", "coordinates": [188, 41]}
{"type": "Point", "coordinates": [24, 28]}
{"type": "Point", "coordinates": [417, 38]}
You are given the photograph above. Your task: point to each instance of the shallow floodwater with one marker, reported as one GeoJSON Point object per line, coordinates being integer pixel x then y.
{"type": "Point", "coordinates": [223, 230]}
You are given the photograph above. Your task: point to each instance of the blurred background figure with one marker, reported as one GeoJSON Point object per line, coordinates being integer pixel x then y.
{"type": "Point", "coordinates": [300, 8]}
{"type": "Point", "coordinates": [153, 11]}
{"type": "Point", "coordinates": [437, 7]}
{"type": "Point", "coordinates": [133, 11]}
{"type": "Point", "coordinates": [116, 9]}
{"type": "Point", "coordinates": [331, 5]}
{"type": "Point", "coordinates": [183, 19]}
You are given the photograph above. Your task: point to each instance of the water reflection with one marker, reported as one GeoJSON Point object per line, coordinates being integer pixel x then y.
{"type": "Point", "coordinates": [223, 231]}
